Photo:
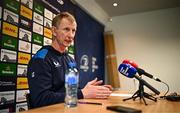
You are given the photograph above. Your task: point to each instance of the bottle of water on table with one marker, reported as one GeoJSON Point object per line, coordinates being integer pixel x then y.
{"type": "Point", "coordinates": [71, 85]}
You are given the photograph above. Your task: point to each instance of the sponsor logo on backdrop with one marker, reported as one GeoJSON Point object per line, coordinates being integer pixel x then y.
{"type": "Point", "coordinates": [38, 18]}
{"type": "Point", "coordinates": [24, 34]}
{"type": "Point", "coordinates": [38, 8]}
{"type": "Point", "coordinates": [21, 95]}
{"type": "Point", "coordinates": [26, 12]}
{"type": "Point", "coordinates": [6, 110]}
{"type": "Point", "coordinates": [37, 38]}
{"type": "Point", "coordinates": [8, 56]}
{"type": "Point", "coordinates": [7, 97]}
{"type": "Point", "coordinates": [26, 23]}
{"type": "Point", "coordinates": [47, 23]}
{"type": "Point", "coordinates": [7, 69]}
{"type": "Point", "coordinates": [10, 17]}
{"type": "Point", "coordinates": [22, 83]}
{"type": "Point", "coordinates": [24, 46]}
{"type": "Point", "coordinates": [47, 32]}
{"type": "Point", "coordinates": [10, 29]}
{"type": "Point", "coordinates": [47, 41]}
{"type": "Point", "coordinates": [21, 107]}
{"type": "Point", "coordinates": [0, 12]}
{"type": "Point", "coordinates": [7, 83]}
{"type": "Point", "coordinates": [35, 48]}
{"type": "Point", "coordinates": [37, 28]}
{"type": "Point", "coordinates": [9, 42]}
{"type": "Point", "coordinates": [48, 14]}
{"type": "Point", "coordinates": [27, 3]}
{"type": "Point", "coordinates": [23, 58]}
{"type": "Point", "coordinates": [12, 5]}
{"type": "Point", "coordinates": [22, 70]}
{"type": "Point", "coordinates": [94, 66]}
{"type": "Point", "coordinates": [84, 62]}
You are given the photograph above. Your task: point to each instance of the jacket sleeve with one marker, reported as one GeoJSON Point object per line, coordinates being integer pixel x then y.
{"type": "Point", "coordinates": [40, 85]}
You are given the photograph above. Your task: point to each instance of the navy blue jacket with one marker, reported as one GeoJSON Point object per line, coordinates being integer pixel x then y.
{"type": "Point", "coordinates": [46, 77]}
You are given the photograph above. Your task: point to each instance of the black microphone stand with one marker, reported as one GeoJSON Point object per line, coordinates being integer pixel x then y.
{"type": "Point", "coordinates": [141, 94]}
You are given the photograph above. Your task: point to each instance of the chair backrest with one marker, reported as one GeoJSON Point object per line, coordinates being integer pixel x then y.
{"type": "Point", "coordinates": [28, 98]}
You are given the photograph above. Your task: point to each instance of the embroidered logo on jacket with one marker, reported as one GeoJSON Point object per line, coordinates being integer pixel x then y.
{"type": "Point", "coordinates": [56, 64]}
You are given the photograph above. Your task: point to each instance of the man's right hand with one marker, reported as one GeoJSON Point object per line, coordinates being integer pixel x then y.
{"type": "Point", "coordinates": [94, 89]}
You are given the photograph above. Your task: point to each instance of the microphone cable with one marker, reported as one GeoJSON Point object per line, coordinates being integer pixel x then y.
{"type": "Point", "coordinates": [166, 91]}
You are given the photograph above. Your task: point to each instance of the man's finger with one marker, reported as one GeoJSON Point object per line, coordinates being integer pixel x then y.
{"type": "Point", "coordinates": [92, 81]}
{"type": "Point", "coordinates": [98, 83]}
{"type": "Point", "coordinates": [109, 86]}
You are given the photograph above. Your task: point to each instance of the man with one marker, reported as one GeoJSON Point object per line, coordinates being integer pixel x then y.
{"type": "Point", "coordinates": [46, 70]}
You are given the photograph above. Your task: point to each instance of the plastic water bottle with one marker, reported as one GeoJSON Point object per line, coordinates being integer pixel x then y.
{"type": "Point", "coordinates": [71, 85]}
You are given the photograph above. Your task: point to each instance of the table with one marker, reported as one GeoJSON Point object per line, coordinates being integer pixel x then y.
{"type": "Point", "coordinates": [161, 106]}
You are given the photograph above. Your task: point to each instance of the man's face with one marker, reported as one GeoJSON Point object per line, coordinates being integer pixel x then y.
{"type": "Point", "coordinates": [65, 32]}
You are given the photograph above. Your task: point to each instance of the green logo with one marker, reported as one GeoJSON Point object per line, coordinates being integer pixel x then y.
{"type": "Point", "coordinates": [38, 39]}
{"type": "Point", "coordinates": [9, 42]}
{"type": "Point", "coordinates": [38, 8]}
{"type": "Point", "coordinates": [12, 5]}
{"type": "Point", "coordinates": [7, 69]}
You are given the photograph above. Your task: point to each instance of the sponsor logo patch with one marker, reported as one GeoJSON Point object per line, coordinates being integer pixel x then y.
{"type": "Point", "coordinates": [9, 42]}
{"type": "Point", "coordinates": [48, 14]}
{"type": "Point", "coordinates": [38, 8]}
{"type": "Point", "coordinates": [10, 17]}
{"type": "Point", "coordinates": [37, 28]}
{"type": "Point", "coordinates": [22, 83]}
{"type": "Point", "coordinates": [47, 23]}
{"type": "Point", "coordinates": [26, 23]}
{"type": "Point", "coordinates": [38, 39]}
{"type": "Point", "coordinates": [47, 41]}
{"type": "Point", "coordinates": [24, 46]}
{"type": "Point", "coordinates": [24, 34]}
{"type": "Point", "coordinates": [22, 70]}
{"type": "Point", "coordinates": [7, 83]}
{"type": "Point", "coordinates": [7, 69]}
{"type": "Point", "coordinates": [38, 18]}
{"type": "Point", "coordinates": [26, 12]}
{"type": "Point", "coordinates": [21, 107]}
{"type": "Point", "coordinates": [8, 56]}
{"type": "Point", "coordinates": [12, 5]}
{"type": "Point", "coordinates": [47, 32]}
{"type": "Point", "coordinates": [7, 97]}
{"type": "Point", "coordinates": [23, 58]}
{"type": "Point", "coordinates": [10, 29]}
{"type": "Point", "coordinates": [21, 95]}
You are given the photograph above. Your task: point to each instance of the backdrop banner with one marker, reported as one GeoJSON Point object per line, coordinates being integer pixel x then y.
{"type": "Point", "coordinates": [89, 48]}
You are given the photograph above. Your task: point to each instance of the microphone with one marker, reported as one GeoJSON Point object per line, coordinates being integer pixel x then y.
{"type": "Point", "coordinates": [140, 71]}
{"type": "Point", "coordinates": [130, 72]}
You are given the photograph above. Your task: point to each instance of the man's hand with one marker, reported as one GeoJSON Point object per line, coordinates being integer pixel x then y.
{"type": "Point", "coordinates": [94, 89]}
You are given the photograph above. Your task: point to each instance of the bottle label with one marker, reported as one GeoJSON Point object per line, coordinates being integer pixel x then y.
{"type": "Point", "coordinates": [71, 79]}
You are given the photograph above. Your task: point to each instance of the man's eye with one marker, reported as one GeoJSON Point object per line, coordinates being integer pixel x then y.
{"type": "Point", "coordinates": [67, 29]}
{"type": "Point", "coordinates": [74, 30]}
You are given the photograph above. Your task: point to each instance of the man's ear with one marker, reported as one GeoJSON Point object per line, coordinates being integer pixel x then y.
{"type": "Point", "coordinates": [53, 29]}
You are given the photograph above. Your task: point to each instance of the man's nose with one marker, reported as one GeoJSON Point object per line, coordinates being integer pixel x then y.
{"type": "Point", "coordinates": [71, 34]}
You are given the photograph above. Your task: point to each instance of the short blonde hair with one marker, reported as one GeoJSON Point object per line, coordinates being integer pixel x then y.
{"type": "Point", "coordinates": [57, 19]}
